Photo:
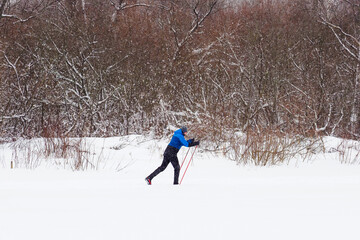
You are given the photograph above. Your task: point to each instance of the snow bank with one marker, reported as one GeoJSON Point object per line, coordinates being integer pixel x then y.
{"type": "Point", "coordinates": [217, 200]}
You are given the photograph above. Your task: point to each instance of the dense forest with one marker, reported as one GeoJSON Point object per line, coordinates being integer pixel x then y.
{"type": "Point", "coordinates": [114, 67]}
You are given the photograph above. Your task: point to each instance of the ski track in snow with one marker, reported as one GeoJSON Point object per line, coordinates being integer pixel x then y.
{"type": "Point", "coordinates": [217, 199]}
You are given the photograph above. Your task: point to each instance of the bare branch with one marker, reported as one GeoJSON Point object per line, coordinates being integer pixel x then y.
{"type": "Point", "coordinates": [122, 5]}
{"type": "Point", "coordinates": [17, 18]}
{"type": "Point", "coordinates": [344, 42]}
{"type": "Point", "coordinates": [198, 21]}
{"type": "Point", "coordinates": [2, 8]}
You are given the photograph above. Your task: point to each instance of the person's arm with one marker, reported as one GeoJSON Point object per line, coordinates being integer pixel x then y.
{"type": "Point", "coordinates": [183, 141]}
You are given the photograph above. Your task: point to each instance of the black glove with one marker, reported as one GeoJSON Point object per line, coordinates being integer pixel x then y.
{"type": "Point", "coordinates": [193, 143]}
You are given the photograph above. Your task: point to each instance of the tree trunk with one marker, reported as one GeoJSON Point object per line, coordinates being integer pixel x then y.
{"type": "Point", "coordinates": [2, 7]}
{"type": "Point", "coordinates": [354, 107]}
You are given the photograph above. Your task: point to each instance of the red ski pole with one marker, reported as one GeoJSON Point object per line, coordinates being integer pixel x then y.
{"type": "Point", "coordinates": [188, 164]}
{"type": "Point", "coordinates": [184, 158]}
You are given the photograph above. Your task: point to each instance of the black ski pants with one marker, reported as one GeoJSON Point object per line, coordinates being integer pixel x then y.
{"type": "Point", "coordinates": [170, 156]}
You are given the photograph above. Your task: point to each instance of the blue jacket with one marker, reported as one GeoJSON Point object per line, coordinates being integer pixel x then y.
{"type": "Point", "coordinates": [178, 140]}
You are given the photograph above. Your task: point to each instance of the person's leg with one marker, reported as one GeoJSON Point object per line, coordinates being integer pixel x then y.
{"type": "Point", "coordinates": [175, 163]}
{"type": "Point", "coordinates": [164, 164]}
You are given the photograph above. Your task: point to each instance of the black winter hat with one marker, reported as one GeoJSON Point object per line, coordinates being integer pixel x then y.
{"type": "Point", "coordinates": [184, 129]}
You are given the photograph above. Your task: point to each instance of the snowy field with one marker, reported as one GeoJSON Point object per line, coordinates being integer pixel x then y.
{"type": "Point", "coordinates": [318, 199]}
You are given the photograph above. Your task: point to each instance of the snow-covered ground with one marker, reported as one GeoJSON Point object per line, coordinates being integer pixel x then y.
{"type": "Point", "coordinates": [217, 199]}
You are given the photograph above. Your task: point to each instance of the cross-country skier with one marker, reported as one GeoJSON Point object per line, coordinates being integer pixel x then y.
{"type": "Point", "coordinates": [170, 154]}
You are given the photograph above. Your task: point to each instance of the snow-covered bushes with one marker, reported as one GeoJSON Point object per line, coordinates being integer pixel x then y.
{"type": "Point", "coordinates": [61, 152]}
{"type": "Point", "coordinates": [270, 148]}
{"type": "Point", "coordinates": [100, 70]}
{"type": "Point", "coordinates": [348, 151]}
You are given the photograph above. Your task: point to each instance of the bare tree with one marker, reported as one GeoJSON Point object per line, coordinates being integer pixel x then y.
{"type": "Point", "coordinates": [2, 7]}
{"type": "Point", "coordinates": [102, 68]}
{"type": "Point", "coordinates": [199, 12]}
{"type": "Point", "coordinates": [343, 18]}
{"type": "Point", "coordinates": [23, 10]}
